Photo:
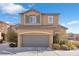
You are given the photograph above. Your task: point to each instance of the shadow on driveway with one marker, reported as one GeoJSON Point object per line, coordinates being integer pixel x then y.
{"type": "Point", "coordinates": [5, 49]}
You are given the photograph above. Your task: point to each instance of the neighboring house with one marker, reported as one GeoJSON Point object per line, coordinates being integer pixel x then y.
{"type": "Point", "coordinates": [77, 37]}
{"type": "Point", "coordinates": [37, 29]}
{"type": "Point", "coordinates": [72, 36]}
{"type": "Point", "coordinates": [3, 29]}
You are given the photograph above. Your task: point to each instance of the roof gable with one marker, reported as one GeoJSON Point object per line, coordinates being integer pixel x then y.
{"type": "Point", "coordinates": [40, 12]}
{"type": "Point", "coordinates": [30, 11]}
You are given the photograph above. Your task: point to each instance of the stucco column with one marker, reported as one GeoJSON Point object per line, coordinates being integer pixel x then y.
{"type": "Point", "coordinates": [19, 41]}
{"type": "Point", "coordinates": [55, 24]}
{"type": "Point", "coordinates": [51, 41]}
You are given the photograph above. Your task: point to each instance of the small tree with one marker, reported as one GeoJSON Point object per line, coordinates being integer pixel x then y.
{"type": "Point", "coordinates": [11, 35]}
{"type": "Point", "coordinates": [56, 38]}
{"type": "Point", "coordinates": [59, 39]}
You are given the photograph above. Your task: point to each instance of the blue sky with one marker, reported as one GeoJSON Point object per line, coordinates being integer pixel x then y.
{"type": "Point", "coordinates": [69, 13]}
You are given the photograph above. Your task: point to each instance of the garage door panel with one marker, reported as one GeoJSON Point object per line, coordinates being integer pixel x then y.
{"type": "Point", "coordinates": [35, 40]}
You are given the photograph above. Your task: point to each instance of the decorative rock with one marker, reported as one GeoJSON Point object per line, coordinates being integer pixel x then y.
{"type": "Point", "coordinates": [75, 48]}
{"type": "Point", "coordinates": [65, 47]}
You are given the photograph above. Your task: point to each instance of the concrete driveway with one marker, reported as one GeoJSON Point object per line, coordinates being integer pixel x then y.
{"type": "Point", "coordinates": [35, 51]}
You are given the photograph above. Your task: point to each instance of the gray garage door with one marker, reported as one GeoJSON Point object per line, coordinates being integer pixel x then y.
{"type": "Point", "coordinates": [35, 41]}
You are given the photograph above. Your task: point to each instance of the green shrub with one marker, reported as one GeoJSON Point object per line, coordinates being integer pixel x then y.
{"type": "Point", "coordinates": [59, 39]}
{"type": "Point", "coordinates": [56, 38]}
{"type": "Point", "coordinates": [11, 35]}
{"type": "Point", "coordinates": [56, 46]}
{"type": "Point", "coordinates": [63, 41]}
{"type": "Point", "coordinates": [70, 45]}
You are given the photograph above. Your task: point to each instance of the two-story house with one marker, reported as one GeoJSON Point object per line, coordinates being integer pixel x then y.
{"type": "Point", "coordinates": [37, 29]}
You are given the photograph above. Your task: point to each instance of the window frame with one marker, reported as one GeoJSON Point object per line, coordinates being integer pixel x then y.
{"type": "Point", "coordinates": [33, 21]}
{"type": "Point", "coordinates": [50, 21]}
{"type": "Point", "coordinates": [29, 23]}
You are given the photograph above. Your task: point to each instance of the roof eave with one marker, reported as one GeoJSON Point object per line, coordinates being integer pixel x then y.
{"type": "Point", "coordinates": [40, 12]}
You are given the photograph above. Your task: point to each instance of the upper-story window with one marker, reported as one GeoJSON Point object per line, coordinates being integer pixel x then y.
{"type": "Point", "coordinates": [32, 19]}
{"type": "Point", "coordinates": [50, 19]}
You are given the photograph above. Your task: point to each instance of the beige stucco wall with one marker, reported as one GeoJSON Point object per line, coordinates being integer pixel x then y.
{"type": "Point", "coordinates": [62, 31]}
{"type": "Point", "coordinates": [31, 13]}
{"type": "Point", "coordinates": [43, 18]}
{"type": "Point", "coordinates": [21, 19]}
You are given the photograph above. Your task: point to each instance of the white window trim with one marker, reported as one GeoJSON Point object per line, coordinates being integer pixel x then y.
{"type": "Point", "coordinates": [33, 21]}
{"type": "Point", "coordinates": [50, 21]}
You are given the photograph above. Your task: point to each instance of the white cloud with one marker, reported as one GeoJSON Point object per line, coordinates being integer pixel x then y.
{"type": "Point", "coordinates": [31, 5]}
{"type": "Point", "coordinates": [73, 26]}
{"type": "Point", "coordinates": [9, 22]}
{"type": "Point", "coordinates": [62, 24]}
{"type": "Point", "coordinates": [68, 31]}
{"type": "Point", "coordinates": [73, 22]}
{"type": "Point", "coordinates": [11, 8]}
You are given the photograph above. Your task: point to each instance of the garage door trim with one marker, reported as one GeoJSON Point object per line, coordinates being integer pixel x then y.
{"type": "Point", "coordinates": [35, 39]}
